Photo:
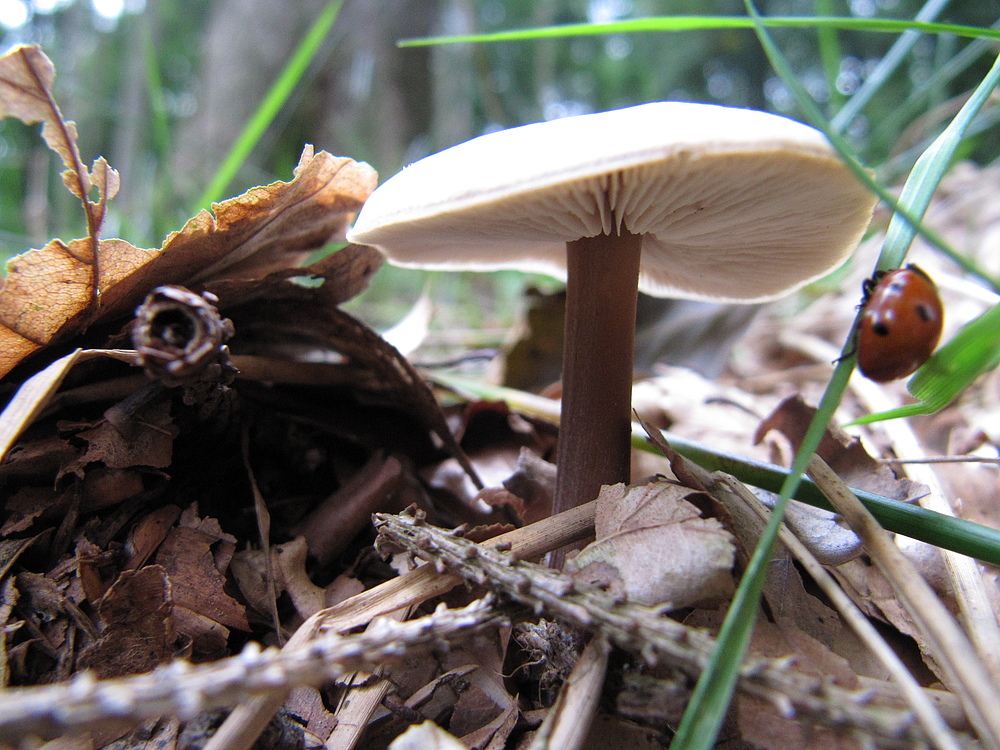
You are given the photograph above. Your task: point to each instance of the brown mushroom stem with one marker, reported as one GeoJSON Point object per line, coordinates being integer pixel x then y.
{"type": "Point", "coordinates": [596, 423]}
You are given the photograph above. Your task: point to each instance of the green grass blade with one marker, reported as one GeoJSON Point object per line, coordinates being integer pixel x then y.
{"type": "Point", "coordinates": [154, 92]}
{"type": "Point", "coordinates": [812, 112]}
{"type": "Point", "coordinates": [704, 23]}
{"type": "Point", "coordinates": [886, 67]}
{"type": "Point", "coordinates": [947, 532]}
{"type": "Point", "coordinates": [829, 53]}
{"type": "Point", "coordinates": [956, 534]}
{"type": "Point", "coordinates": [713, 692]}
{"type": "Point", "coordinates": [916, 102]}
{"type": "Point", "coordinates": [271, 105]}
{"type": "Point", "coordinates": [930, 168]}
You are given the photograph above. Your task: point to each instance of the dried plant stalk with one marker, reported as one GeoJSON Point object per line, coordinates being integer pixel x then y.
{"type": "Point", "coordinates": [242, 727]}
{"type": "Point", "coordinates": [644, 631]}
{"type": "Point", "coordinates": [183, 690]}
{"type": "Point", "coordinates": [947, 644]}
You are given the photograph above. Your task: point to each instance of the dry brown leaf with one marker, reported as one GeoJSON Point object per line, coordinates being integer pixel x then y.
{"type": "Point", "coordinates": [844, 454]}
{"type": "Point", "coordinates": [146, 438]}
{"type": "Point", "coordinates": [763, 725]}
{"type": "Point", "coordinates": [195, 555]}
{"type": "Point", "coordinates": [655, 541]}
{"type": "Point", "coordinates": [48, 293]}
{"type": "Point", "coordinates": [26, 76]}
{"type": "Point", "coordinates": [47, 287]}
{"type": "Point", "coordinates": [307, 706]}
{"type": "Point", "coordinates": [8, 600]}
{"type": "Point", "coordinates": [344, 275]}
{"type": "Point", "coordinates": [138, 632]}
{"type": "Point", "coordinates": [36, 392]}
{"type": "Point", "coordinates": [288, 561]}
{"type": "Point", "coordinates": [105, 178]}
{"type": "Point", "coordinates": [148, 533]}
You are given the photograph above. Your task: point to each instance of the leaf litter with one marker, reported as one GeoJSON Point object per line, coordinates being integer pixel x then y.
{"type": "Point", "coordinates": [185, 485]}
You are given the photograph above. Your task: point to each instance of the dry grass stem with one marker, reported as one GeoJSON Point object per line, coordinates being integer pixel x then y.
{"type": "Point", "coordinates": [938, 733]}
{"type": "Point", "coordinates": [183, 690]}
{"type": "Point", "coordinates": [242, 727]}
{"type": "Point", "coordinates": [964, 573]}
{"type": "Point", "coordinates": [644, 631]}
{"type": "Point", "coordinates": [359, 703]}
{"type": "Point", "coordinates": [947, 643]}
{"type": "Point", "coordinates": [568, 721]}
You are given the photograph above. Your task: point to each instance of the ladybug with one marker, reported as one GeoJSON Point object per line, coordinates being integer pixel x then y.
{"type": "Point", "coordinates": [901, 319]}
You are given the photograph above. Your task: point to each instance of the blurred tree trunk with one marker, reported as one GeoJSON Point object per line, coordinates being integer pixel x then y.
{"type": "Point", "coordinates": [363, 96]}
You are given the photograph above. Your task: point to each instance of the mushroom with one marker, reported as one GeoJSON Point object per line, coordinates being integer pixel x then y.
{"type": "Point", "coordinates": [677, 199]}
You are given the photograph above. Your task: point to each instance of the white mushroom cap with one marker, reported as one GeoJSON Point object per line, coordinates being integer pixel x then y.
{"type": "Point", "coordinates": [733, 204]}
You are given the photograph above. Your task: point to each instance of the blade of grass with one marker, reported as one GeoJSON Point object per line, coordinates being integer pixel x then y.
{"type": "Point", "coordinates": [704, 23]}
{"type": "Point", "coordinates": [944, 641]}
{"type": "Point", "coordinates": [713, 692]}
{"type": "Point", "coordinates": [154, 91]}
{"type": "Point", "coordinates": [939, 734]}
{"type": "Point", "coordinates": [959, 535]}
{"type": "Point", "coordinates": [895, 121]}
{"type": "Point", "coordinates": [886, 67]}
{"type": "Point", "coordinates": [271, 105]}
{"type": "Point", "coordinates": [829, 53]}
{"type": "Point", "coordinates": [930, 168]}
{"type": "Point", "coordinates": [970, 353]}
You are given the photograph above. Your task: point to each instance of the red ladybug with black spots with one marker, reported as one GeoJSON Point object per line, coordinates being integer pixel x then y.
{"type": "Point", "coordinates": [901, 320]}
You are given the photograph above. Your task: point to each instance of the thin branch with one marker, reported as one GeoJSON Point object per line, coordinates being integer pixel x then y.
{"type": "Point", "coordinates": [182, 690]}
{"type": "Point", "coordinates": [644, 631]}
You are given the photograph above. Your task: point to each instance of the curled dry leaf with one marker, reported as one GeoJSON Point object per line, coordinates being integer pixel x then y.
{"type": "Point", "coordinates": [48, 292]}
{"type": "Point", "coordinates": [137, 625]}
{"type": "Point", "coordinates": [26, 76]}
{"type": "Point", "coordinates": [654, 544]}
{"type": "Point", "coordinates": [181, 337]}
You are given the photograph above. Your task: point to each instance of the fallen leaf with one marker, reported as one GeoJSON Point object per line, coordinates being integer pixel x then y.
{"type": "Point", "coordinates": [307, 597]}
{"type": "Point", "coordinates": [195, 579]}
{"type": "Point", "coordinates": [657, 546]}
{"type": "Point", "coordinates": [25, 506]}
{"type": "Point", "coordinates": [26, 78]}
{"type": "Point", "coordinates": [144, 438]}
{"type": "Point", "coordinates": [48, 293]}
{"type": "Point", "coordinates": [147, 535]}
{"type": "Point", "coordinates": [307, 705]}
{"type": "Point", "coordinates": [842, 453]}
{"type": "Point", "coordinates": [208, 639]}
{"type": "Point", "coordinates": [36, 392]}
{"type": "Point", "coordinates": [138, 629]}
{"type": "Point", "coordinates": [8, 600]}
{"type": "Point", "coordinates": [25, 73]}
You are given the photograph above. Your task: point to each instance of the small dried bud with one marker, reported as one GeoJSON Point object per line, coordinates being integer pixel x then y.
{"type": "Point", "coordinates": [181, 337]}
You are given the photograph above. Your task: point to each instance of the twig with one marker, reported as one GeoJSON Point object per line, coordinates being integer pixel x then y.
{"type": "Point", "coordinates": [644, 631]}
{"type": "Point", "coordinates": [182, 690]}
{"type": "Point", "coordinates": [729, 489]}
{"type": "Point", "coordinates": [568, 722]}
{"type": "Point", "coordinates": [248, 720]}
{"type": "Point", "coordinates": [946, 643]}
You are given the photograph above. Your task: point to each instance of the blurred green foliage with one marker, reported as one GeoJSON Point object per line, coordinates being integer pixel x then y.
{"type": "Point", "coordinates": [146, 86]}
